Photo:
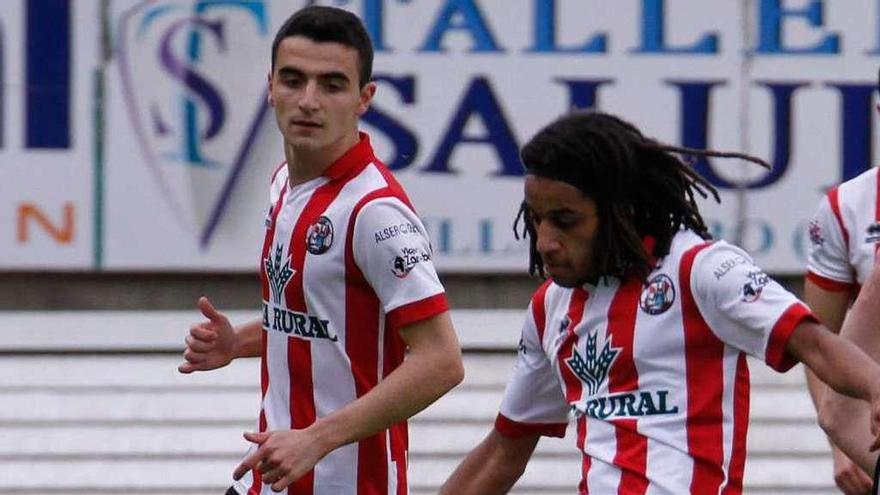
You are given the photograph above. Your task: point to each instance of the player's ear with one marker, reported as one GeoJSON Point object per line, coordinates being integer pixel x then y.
{"type": "Point", "coordinates": [269, 99]}
{"type": "Point", "coordinates": [366, 97]}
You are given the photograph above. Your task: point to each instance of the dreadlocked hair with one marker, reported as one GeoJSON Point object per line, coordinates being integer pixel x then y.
{"type": "Point", "coordinates": [641, 188]}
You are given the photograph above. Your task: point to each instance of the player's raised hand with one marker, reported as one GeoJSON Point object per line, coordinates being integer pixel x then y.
{"type": "Point", "coordinates": [282, 456]}
{"type": "Point", "coordinates": [211, 343]}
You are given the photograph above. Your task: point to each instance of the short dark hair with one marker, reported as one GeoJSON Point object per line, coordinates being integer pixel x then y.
{"type": "Point", "coordinates": [640, 188]}
{"type": "Point", "coordinates": [330, 25]}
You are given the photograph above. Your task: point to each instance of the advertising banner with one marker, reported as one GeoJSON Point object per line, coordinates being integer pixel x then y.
{"type": "Point", "coordinates": [174, 91]}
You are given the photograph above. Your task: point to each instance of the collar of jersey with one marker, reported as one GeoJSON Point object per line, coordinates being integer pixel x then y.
{"type": "Point", "coordinates": [354, 160]}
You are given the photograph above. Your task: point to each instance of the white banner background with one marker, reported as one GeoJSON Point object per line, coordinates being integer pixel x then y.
{"type": "Point", "coordinates": [183, 188]}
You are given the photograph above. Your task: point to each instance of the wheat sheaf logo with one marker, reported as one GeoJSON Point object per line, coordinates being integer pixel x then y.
{"type": "Point", "coordinates": [594, 369]}
{"type": "Point", "coordinates": [278, 272]}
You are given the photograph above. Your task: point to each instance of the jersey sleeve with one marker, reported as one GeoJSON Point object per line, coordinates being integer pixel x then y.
{"type": "Point", "coordinates": [392, 250]}
{"type": "Point", "coordinates": [533, 401]}
{"type": "Point", "coordinates": [743, 306]}
{"type": "Point", "coordinates": [828, 265]}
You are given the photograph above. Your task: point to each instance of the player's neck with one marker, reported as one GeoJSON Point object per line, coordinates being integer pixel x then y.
{"type": "Point", "coordinates": [304, 165]}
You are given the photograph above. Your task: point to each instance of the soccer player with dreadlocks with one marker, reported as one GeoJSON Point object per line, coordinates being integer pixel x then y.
{"type": "Point", "coordinates": [641, 332]}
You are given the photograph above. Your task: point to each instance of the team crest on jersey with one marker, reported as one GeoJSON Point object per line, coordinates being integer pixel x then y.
{"type": "Point", "coordinates": [815, 232]}
{"type": "Point", "coordinates": [593, 370]}
{"type": "Point", "coordinates": [658, 295]}
{"type": "Point", "coordinates": [320, 236]}
{"type": "Point", "coordinates": [278, 272]}
{"type": "Point", "coordinates": [872, 233]}
{"type": "Point", "coordinates": [752, 289]}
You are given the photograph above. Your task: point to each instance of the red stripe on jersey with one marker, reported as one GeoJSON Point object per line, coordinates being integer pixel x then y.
{"type": "Point", "coordinates": [704, 373]}
{"type": "Point", "coordinates": [362, 321]}
{"type": "Point", "coordinates": [514, 429]}
{"type": "Point", "coordinates": [394, 353]}
{"type": "Point", "coordinates": [257, 485]}
{"type": "Point", "coordinates": [829, 284]}
{"type": "Point", "coordinates": [776, 355]}
{"type": "Point", "coordinates": [632, 448]}
{"type": "Point", "coordinates": [539, 312]}
{"type": "Point", "coordinates": [586, 460]}
{"type": "Point", "coordinates": [299, 351]}
{"type": "Point", "coordinates": [740, 428]}
{"type": "Point", "coordinates": [834, 201]}
{"type": "Point", "coordinates": [573, 385]}
{"type": "Point", "coordinates": [417, 311]}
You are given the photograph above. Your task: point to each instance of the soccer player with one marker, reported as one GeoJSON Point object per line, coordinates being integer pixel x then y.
{"type": "Point", "coordinates": [348, 286]}
{"type": "Point", "coordinates": [845, 236]}
{"type": "Point", "coordinates": [642, 331]}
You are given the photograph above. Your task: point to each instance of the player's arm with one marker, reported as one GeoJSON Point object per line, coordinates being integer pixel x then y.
{"type": "Point", "coordinates": [836, 361]}
{"type": "Point", "coordinates": [432, 367]}
{"type": "Point", "coordinates": [830, 306]}
{"type": "Point", "coordinates": [493, 466]}
{"type": "Point", "coordinates": [213, 343]}
{"type": "Point", "coordinates": [843, 420]}
{"type": "Point", "coordinates": [841, 365]}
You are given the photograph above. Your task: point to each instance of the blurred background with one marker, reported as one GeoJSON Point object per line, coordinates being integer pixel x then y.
{"type": "Point", "coordinates": [136, 149]}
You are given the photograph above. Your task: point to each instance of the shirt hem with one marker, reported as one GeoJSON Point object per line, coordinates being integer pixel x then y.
{"type": "Point", "coordinates": [514, 429]}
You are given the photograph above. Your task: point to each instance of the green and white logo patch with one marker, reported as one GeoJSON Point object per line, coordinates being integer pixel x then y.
{"type": "Point", "coordinates": [593, 371]}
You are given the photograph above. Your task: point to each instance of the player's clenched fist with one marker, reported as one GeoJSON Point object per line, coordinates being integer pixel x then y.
{"type": "Point", "coordinates": [210, 344]}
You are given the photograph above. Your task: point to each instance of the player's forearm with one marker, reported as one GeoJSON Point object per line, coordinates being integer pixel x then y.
{"type": "Point", "coordinates": [414, 385]}
{"type": "Point", "coordinates": [830, 308]}
{"type": "Point", "coordinates": [493, 467]}
{"type": "Point", "coordinates": [836, 361]}
{"type": "Point", "coordinates": [846, 421]}
{"type": "Point", "coordinates": [248, 342]}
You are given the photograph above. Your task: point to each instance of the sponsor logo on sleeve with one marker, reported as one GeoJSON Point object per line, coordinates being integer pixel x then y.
{"type": "Point", "coordinates": [320, 236]}
{"type": "Point", "coordinates": [396, 230]}
{"type": "Point", "coordinates": [815, 232]}
{"type": "Point", "coordinates": [751, 290]}
{"type": "Point", "coordinates": [729, 264]}
{"type": "Point", "coordinates": [658, 295]}
{"type": "Point", "coordinates": [407, 259]}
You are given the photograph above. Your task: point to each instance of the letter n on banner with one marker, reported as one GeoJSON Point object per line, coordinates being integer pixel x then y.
{"type": "Point", "coordinates": [29, 213]}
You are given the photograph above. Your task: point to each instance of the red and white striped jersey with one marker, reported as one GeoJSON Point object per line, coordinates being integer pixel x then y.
{"type": "Point", "coordinates": [845, 234]}
{"type": "Point", "coordinates": [345, 264]}
{"type": "Point", "coordinates": [653, 373]}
